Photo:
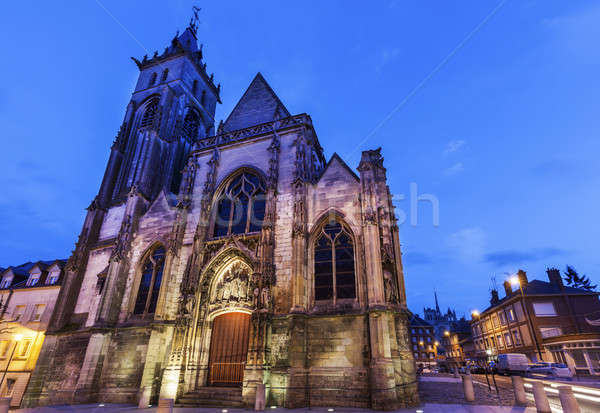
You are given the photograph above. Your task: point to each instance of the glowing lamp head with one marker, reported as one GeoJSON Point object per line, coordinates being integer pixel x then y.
{"type": "Point", "coordinates": [475, 313]}
{"type": "Point", "coordinates": [18, 337]}
{"type": "Point", "coordinates": [514, 281]}
{"type": "Point", "coordinates": [447, 333]}
{"type": "Point", "coordinates": [437, 343]}
{"type": "Point", "coordinates": [488, 352]}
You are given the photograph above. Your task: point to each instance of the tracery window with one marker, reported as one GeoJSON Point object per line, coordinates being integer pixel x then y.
{"type": "Point", "coordinates": [149, 113]}
{"type": "Point", "coordinates": [165, 73]}
{"type": "Point", "coordinates": [152, 271]}
{"type": "Point", "coordinates": [334, 263]}
{"type": "Point", "coordinates": [191, 123]}
{"type": "Point", "coordinates": [152, 79]}
{"type": "Point", "coordinates": [241, 206]}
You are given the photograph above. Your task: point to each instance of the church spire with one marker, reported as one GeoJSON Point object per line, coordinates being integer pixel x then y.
{"type": "Point", "coordinates": [437, 306]}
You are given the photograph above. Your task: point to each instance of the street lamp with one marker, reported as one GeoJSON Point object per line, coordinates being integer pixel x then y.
{"type": "Point", "coordinates": [514, 280]}
{"type": "Point", "coordinates": [447, 333]}
{"type": "Point", "coordinates": [18, 338]}
{"type": "Point", "coordinates": [475, 313]}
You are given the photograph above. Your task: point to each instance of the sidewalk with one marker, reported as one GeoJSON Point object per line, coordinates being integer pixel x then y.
{"type": "Point", "coordinates": [427, 408]}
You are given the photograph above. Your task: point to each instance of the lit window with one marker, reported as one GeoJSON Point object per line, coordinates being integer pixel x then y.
{"type": "Point", "coordinates": [18, 313]}
{"type": "Point", "coordinates": [4, 344]}
{"type": "Point", "coordinates": [241, 206]}
{"type": "Point", "coordinates": [152, 270]}
{"type": "Point", "coordinates": [33, 279]}
{"type": "Point", "coordinates": [544, 309]}
{"type": "Point", "coordinates": [517, 337]}
{"type": "Point", "coordinates": [39, 310]}
{"type": "Point", "coordinates": [6, 282]}
{"type": "Point", "coordinates": [507, 339]}
{"type": "Point", "coordinates": [334, 263]}
{"type": "Point", "coordinates": [511, 315]}
{"type": "Point", "coordinates": [53, 277]}
{"type": "Point", "coordinates": [23, 348]}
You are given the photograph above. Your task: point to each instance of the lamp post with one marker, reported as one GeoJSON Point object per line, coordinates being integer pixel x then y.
{"type": "Point", "coordinates": [514, 280]}
{"type": "Point", "coordinates": [18, 338]}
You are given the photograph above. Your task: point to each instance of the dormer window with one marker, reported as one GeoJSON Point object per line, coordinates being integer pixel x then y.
{"type": "Point", "coordinates": [34, 278]}
{"type": "Point", "coordinates": [6, 280]}
{"type": "Point", "coordinates": [53, 276]}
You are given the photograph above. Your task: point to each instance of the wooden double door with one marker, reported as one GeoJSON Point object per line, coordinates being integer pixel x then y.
{"type": "Point", "coordinates": [228, 349]}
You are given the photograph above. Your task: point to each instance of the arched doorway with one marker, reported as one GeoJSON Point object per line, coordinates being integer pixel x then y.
{"type": "Point", "coordinates": [228, 349]}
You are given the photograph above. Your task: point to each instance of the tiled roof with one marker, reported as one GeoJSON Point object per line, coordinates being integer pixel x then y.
{"type": "Point", "coordinates": [21, 272]}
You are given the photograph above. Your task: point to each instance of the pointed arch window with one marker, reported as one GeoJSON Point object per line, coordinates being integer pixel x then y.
{"type": "Point", "coordinates": [334, 263]}
{"type": "Point", "coordinates": [152, 272]}
{"type": "Point", "coordinates": [241, 206]}
{"type": "Point", "coordinates": [152, 79]}
{"type": "Point", "coordinates": [149, 113]}
{"type": "Point", "coordinates": [191, 125]}
{"type": "Point", "coordinates": [164, 76]}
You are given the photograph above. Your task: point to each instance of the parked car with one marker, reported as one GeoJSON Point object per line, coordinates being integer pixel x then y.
{"type": "Point", "coordinates": [512, 363]}
{"type": "Point", "coordinates": [543, 368]}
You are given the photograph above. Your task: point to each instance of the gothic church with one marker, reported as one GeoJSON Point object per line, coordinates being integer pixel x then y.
{"type": "Point", "coordinates": [212, 261]}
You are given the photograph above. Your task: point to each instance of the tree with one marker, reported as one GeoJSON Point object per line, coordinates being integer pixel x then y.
{"type": "Point", "coordinates": [572, 279]}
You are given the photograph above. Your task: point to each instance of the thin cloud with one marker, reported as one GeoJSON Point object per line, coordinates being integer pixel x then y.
{"type": "Point", "coordinates": [453, 146]}
{"type": "Point", "coordinates": [454, 169]}
{"type": "Point", "coordinates": [513, 257]}
{"type": "Point", "coordinates": [468, 244]}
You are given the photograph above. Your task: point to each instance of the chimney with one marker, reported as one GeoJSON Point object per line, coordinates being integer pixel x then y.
{"type": "Point", "coordinates": [507, 288]}
{"type": "Point", "coordinates": [555, 278]}
{"type": "Point", "coordinates": [522, 278]}
{"type": "Point", "coordinates": [495, 300]}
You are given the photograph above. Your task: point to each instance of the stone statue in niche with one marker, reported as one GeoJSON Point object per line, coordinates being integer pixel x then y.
{"type": "Point", "coordinates": [389, 286]}
{"type": "Point", "coordinates": [233, 286]}
{"type": "Point", "coordinates": [265, 297]}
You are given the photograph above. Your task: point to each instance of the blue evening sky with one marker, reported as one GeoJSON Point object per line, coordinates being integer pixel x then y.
{"type": "Point", "coordinates": [504, 133]}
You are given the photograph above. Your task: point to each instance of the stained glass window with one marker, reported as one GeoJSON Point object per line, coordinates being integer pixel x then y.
{"type": "Point", "coordinates": [152, 270]}
{"type": "Point", "coordinates": [334, 263]}
{"type": "Point", "coordinates": [241, 206]}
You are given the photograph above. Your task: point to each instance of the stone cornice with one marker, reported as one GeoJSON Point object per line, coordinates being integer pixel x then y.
{"type": "Point", "coordinates": [262, 129]}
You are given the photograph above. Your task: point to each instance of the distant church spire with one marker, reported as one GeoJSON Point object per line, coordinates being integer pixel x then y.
{"type": "Point", "coordinates": [437, 306]}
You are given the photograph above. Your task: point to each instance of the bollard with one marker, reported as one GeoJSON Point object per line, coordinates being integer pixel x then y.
{"type": "Point", "coordinates": [4, 404]}
{"type": "Point", "coordinates": [567, 400]}
{"type": "Point", "coordinates": [145, 397]}
{"type": "Point", "coordinates": [541, 400]}
{"type": "Point", "coordinates": [468, 388]}
{"type": "Point", "coordinates": [165, 406]}
{"type": "Point", "coordinates": [259, 404]}
{"type": "Point", "coordinates": [519, 388]}
{"type": "Point", "coordinates": [456, 372]}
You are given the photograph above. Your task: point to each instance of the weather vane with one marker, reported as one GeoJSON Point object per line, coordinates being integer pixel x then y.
{"type": "Point", "coordinates": [195, 19]}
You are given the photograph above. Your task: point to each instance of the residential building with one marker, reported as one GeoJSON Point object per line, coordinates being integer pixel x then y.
{"type": "Point", "coordinates": [241, 233]}
{"type": "Point", "coordinates": [423, 342]}
{"type": "Point", "coordinates": [545, 320]}
{"type": "Point", "coordinates": [28, 293]}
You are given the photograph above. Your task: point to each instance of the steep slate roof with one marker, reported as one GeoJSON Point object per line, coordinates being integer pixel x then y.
{"type": "Point", "coordinates": [538, 287]}
{"type": "Point", "coordinates": [21, 272]}
{"type": "Point", "coordinates": [416, 321]}
{"type": "Point", "coordinates": [259, 104]}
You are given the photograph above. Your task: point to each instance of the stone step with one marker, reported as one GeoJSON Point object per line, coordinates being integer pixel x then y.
{"type": "Point", "coordinates": [213, 396]}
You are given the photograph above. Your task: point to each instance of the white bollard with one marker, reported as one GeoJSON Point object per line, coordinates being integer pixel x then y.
{"type": "Point", "coordinates": [456, 372]}
{"type": "Point", "coordinates": [4, 404]}
{"type": "Point", "coordinates": [567, 400]}
{"type": "Point", "coordinates": [259, 404]}
{"type": "Point", "coordinates": [145, 397]}
{"type": "Point", "coordinates": [165, 406]}
{"type": "Point", "coordinates": [541, 400]}
{"type": "Point", "coordinates": [468, 388]}
{"type": "Point", "coordinates": [519, 388]}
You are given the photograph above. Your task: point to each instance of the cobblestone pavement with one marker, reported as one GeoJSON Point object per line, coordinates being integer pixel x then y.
{"type": "Point", "coordinates": [452, 393]}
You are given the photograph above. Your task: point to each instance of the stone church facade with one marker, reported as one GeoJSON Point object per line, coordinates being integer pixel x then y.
{"type": "Point", "coordinates": [214, 260]}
